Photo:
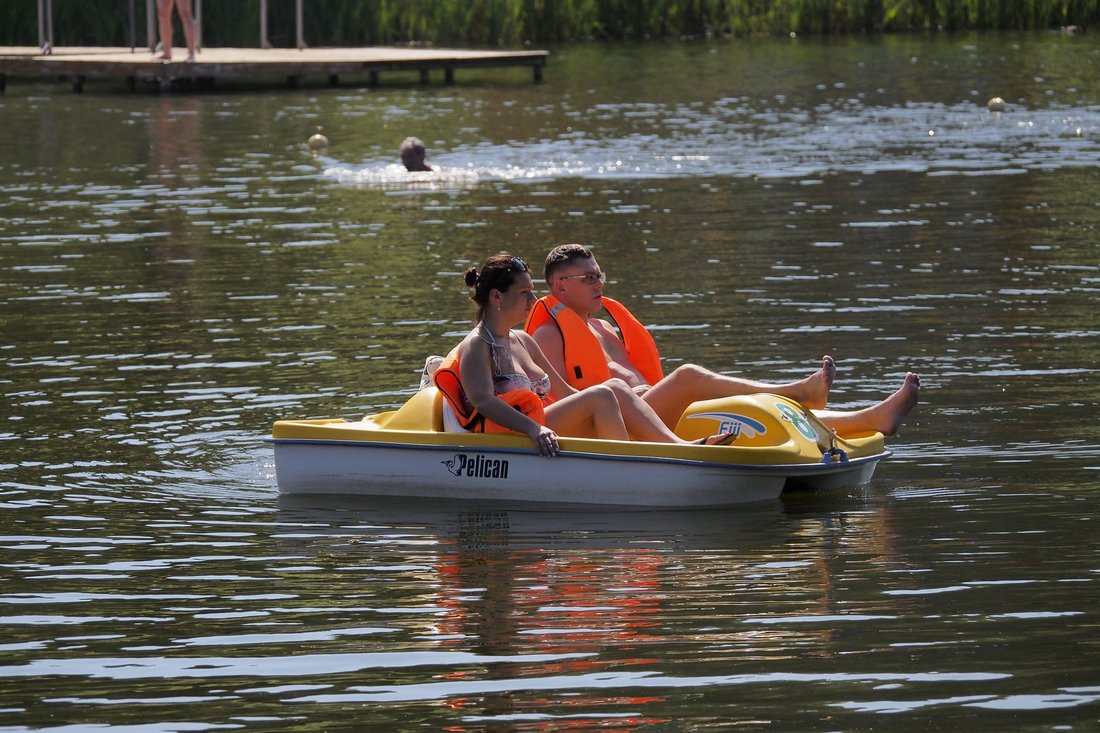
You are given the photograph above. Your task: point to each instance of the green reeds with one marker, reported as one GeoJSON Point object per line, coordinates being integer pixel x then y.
{"type": "Point", "coordinates": [515, 22]}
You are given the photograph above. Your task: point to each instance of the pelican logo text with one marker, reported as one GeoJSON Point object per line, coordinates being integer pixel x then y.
{"type": "Point", "coordinates": [477, 466]}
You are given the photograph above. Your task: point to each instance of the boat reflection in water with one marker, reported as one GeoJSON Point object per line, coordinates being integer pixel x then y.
{"type": "Point", "coordinates": [329, 520]}
{"type": "Point", "coordinates": [610, 593]}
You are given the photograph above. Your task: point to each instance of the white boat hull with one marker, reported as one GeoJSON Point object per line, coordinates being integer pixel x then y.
{"type": "Point", "coordinates": [365, 468]}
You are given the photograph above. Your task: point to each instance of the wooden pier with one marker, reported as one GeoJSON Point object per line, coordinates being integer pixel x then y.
{"type": "Point", "coordinates": [290, 64]}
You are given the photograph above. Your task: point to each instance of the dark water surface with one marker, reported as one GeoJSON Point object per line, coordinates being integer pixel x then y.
{"type": "Point", "coordinates": [178, 272]}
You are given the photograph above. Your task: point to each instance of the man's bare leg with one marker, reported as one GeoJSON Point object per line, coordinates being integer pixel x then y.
{"type": "Point", "coordinates": [691, 383]}
{"type": "Point", "coordinates": [813, 391]}
{"type": "Point", "coordinates": [885, 417]}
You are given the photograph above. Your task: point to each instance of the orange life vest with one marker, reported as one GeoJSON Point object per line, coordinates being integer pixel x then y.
{"type": "Point", "coordinates": [585, 360]}
{"type": "Point", "coordinates": [448, 379]}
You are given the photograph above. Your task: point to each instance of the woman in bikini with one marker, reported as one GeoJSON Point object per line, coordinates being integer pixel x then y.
{"type": "Point", "coordinates": [505, 383]}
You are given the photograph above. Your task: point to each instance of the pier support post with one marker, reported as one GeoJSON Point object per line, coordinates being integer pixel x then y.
{"type": "Point", "coordinates": [298, 23]}
{"type": "Point", "coordinates": [538, 73]}
{"type": "Point", "coordinates": [423, 76]}
{"type": "Point", "coordinates": [150, 26]}
{"type": "Point", "coordinates": [133, 30]}
{"type": "Point", "coordinates": [3, 82]}
{"type": "Point", "coordinates": [78, 83]}
{"type": "Point", "coordinates": [449, 75]}
{"type": "Point", "coordinates": [264, 43]}
{"type": "Point", "coordinates": [334, 80]}
{"type": "Point", "coordinates": [372, 79]}
{"type": "Point", "coordinates": [45, 26]}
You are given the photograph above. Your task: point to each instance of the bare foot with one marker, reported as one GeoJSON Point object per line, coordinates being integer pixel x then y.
{"type": "Point", "coordinates": [815, 388]}
{"type": "Point", "coordinates": [717, 439]}
{"type": "Point", "coordinates": [889, 413]}
{"type": "Point", "coordinates": [165, 56]}
{"type": "Point", "coordinates": [884, 417]}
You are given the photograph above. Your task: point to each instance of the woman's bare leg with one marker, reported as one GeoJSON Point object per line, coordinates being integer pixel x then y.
{"type": "Point", "coordinates": [187, 20]}
{"type": "Point", "coordinates": [164, 20]}
{"type": "Point", "coordinates": [885, 417]}
{"type": "Point", "coordinates": [641, 420]}
{"type": "Point", "coordinates": [591, 413]}
{"type": "Point", "coordinates": [605, 411]}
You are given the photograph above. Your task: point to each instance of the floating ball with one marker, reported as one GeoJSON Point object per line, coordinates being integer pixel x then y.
{"type": "Point", "coordinates": [996, 105]}
{"type": "Point", "coordinates": [317, 141]}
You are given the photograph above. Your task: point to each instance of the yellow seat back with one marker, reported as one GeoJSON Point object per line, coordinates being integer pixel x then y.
{"type": "Point", "coordinates": [423, 412]}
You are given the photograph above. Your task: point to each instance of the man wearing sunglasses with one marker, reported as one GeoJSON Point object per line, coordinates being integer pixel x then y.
{"type": "Point", "coordinates": [587, 350]}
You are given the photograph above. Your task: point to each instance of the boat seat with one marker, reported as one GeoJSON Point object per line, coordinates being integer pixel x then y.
{"type": "Point", "coordinates": [449, 421]}
{"type": "Point", "coordinates": [423, 411]}
{"type": "Point", "coordinates": [438, 402]}
{"type": "Point", "coordinates": [432, 363]}
{"type": "Point", "coordinates": [444, 419]}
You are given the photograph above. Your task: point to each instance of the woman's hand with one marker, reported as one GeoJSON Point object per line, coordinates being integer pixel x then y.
{"type": "Point", "coordinates": [641, 389]}
{"type": "Point", "coordinates": [546, 441]}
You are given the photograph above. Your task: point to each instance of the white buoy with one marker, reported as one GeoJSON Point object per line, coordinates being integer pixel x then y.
{"type": "Point", "coordinates": [317, 141]}
{"type": "Point", "coordinates": [996, 104]}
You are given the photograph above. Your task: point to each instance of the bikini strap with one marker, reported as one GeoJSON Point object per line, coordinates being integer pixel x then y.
{"type": "Point", "coordinates": [494, 349]}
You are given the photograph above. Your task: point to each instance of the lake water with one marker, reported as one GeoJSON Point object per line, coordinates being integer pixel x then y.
{"type": "Point", "coordinates": [177, 272]}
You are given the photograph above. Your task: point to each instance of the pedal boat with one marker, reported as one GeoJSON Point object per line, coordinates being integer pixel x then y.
{"type": "Point", "coordinates": [406, 453]}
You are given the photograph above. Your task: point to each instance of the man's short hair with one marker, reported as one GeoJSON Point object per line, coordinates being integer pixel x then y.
{"type": "Point", "coordinates": [561, 256]}
{"type": "Point", "coordinates": [412, 152]}
{"type": "Point", "coordinates": [412, 145]}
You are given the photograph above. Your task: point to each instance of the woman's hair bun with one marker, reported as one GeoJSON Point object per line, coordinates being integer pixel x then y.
{"type": "Point", "coordinates": [471, 277]}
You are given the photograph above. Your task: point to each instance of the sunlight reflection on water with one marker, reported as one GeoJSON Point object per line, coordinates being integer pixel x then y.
{"type": "Point", "coordinates": [740, 142]}
{"type": "Point", "coordinates": [168, 295]}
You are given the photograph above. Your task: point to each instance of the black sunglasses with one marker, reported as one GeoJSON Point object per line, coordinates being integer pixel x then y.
{"type": "Point", "coordinates": [519, 265]}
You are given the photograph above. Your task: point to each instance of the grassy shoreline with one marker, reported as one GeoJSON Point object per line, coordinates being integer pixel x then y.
{"type": "Point", "coordinates": [519, 22]}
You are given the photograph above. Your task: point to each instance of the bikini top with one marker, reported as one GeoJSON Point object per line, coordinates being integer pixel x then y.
{"type": "Point", "coordinates": [508, 381]}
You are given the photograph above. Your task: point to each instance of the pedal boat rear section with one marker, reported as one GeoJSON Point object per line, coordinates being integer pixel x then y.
{"type": "Point", "coordinates": [405, 453]}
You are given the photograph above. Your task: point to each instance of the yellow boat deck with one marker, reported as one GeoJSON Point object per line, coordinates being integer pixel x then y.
{"type": "Point", "coordinates": [419, 422]}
